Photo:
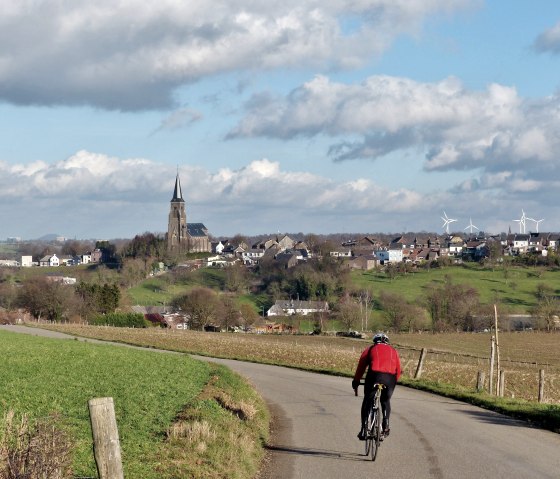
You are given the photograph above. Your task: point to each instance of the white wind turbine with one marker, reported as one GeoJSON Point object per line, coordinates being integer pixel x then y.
{"type": "Point", "coordinates": [446, 222]}
{"type": "Point", "coordinates": [471, 226]}
{"type": "Point", "coordinates": [536, 222]}
{"type": "Point", "coordinates": [521, 222]}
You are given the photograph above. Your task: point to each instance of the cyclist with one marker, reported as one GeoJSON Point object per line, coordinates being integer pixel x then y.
{"type": "Point", "coordinates": [385, 368]}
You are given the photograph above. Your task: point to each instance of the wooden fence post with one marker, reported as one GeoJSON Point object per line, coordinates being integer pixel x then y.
{"type": "Point", "coordinates": [501, 383]}
{"type": "Point", "coordinates": [541, 385]}
{"type": "Point", "coordinates": [106, 446]}
{"type": "Point", "coordinates": [497, 347]}
{"type": "Point", "coordinates": [480, 381]}
{"type": "Point", "coordinates": [492, 353]}
{"type": "Point", "coordinates": [420, 364]}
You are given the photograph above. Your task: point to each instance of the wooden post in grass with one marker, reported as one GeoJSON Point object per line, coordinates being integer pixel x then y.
{"type": "Point", "coordinates": [497, 351]}
{"type": "Point", "coordinates": [420, 364]}
{"type": "Point", "coordinates": [492, 354]}
{"type": "Point", "coordinates": [501, 383]}
{"type": "Point", "coordinates": [106, 446]}
{"type": "Point", "coordinates": [541, 385]}
{"type": "Point", "coordinates": [480, 381]}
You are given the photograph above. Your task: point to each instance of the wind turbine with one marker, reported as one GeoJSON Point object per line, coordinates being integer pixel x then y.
{"type": "Point", "coordinates": [536, 222]}
{"type": "Point", "coordinates": [446, 222]}
{"type": "Point", "coordinates": [521, 222]}
{"type": "Point", "coordinates": [471, 226]}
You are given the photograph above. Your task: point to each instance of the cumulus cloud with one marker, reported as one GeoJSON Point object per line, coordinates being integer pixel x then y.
{"type": "Point", "coordinates": [549, 40]}
{"type": "Point", "coordinates": [110, 196]}
{"type": "Point", "coordinates": [133, 55]}
{"type": "Point", "coordinates": [93, 195]}
{"type": "Point", "coordinates": [452, 127]}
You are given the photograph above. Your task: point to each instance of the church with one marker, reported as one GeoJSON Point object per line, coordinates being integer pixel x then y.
{"type": "Point", "coordinates": [183, 237]}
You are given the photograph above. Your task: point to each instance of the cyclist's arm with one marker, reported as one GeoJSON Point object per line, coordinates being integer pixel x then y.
{"type": "Point", "coordinates": [362, 365]}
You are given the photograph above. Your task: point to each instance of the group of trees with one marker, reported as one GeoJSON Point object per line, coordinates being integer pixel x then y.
{"type": "Point", "coordinates": [205, 306]}
{"type": "Point", "coordinates": [323, 279]}
{"type": "Point", "coordinates": [55, 301]}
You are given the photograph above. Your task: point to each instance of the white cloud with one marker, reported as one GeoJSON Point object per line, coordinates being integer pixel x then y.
{"type": "Point", "coordinates": [95, 195]}
{"type": "Point", "coordinates": [454, 128]}
{"type": "Point", "coordinates": [132, 55]}
{"type": "Point", "coordinates": [179, 119]}
{"type": "Point", "coordinates": [549, 40]}
{"type": "Point", "coordinates": [109, 196]}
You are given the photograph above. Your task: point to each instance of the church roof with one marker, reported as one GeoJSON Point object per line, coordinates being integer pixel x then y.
{"type": "Point", "coordinates": [177, 193]}
{"type": "Point", "coordinates": [196, 229]}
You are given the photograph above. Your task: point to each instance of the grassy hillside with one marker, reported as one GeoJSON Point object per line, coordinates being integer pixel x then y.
{"type": "Point", "coordinates": [157, 397]}
{"type": "Point", "coordinates": [162, 289]}
{"type": "Point", "coordinates": [514, 287]}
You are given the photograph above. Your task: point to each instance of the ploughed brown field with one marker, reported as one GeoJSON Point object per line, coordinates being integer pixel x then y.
{"type": "Point", "coordinates": [453, 358]}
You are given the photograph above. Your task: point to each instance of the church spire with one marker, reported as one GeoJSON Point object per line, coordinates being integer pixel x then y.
{"type": "Point", "coordinates": [177, 193]}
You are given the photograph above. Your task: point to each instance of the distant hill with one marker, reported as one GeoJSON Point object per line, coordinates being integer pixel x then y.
{"type": "Point", "coordinates": [49, 237]}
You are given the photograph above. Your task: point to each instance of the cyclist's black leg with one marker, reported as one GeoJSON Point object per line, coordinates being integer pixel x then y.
{"type": "Point", "coordinates": [366, 403]}
{"type": "Point", "coordinates": [389, 380]}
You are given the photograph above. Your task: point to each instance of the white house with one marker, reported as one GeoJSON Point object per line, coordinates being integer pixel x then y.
{"type": "Point", "coordinates": [49, 260]}
{"type": "Point", "coordinates": [520, 243]}
{"type": "Point", "coordinates": [252, 255]}
{"type": "Point", "coordinates": [342, 252]}
{"type": "Point", "coordinates": [27, 261]}
{"type": "Point", "coordinates": [290, 307]}
{"type": "Point", "coordinates": [9, 262]}
{"type": "Point", "coordinates": [391, 255]}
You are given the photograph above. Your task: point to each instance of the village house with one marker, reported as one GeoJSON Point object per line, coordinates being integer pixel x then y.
{"type": "Point", "coordinates": [289, 307]}
{"type": "Point", "coordinates": [26, 261]}
{"type": "Point", "coordinates": [341, 252]}
{"type": "Point", "coordinates": [390, 255]}
{"type": "Point", "coordinates": [363, 262]}
{"type": "Point", "coordinates": [49, 260]}
{"type": "Point", "coordinates": [252, 256]}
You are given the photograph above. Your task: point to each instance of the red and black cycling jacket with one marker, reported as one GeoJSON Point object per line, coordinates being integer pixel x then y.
{"type": "Point", "coordinates": [381, 358]}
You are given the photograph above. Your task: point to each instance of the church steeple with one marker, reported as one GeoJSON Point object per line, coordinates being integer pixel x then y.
{"type": "Point", "coordinates": [177, 236]}
{"type": "Point", "coordinates": [177, 193]}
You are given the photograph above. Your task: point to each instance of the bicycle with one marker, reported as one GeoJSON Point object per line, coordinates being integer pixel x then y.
{"type": "Point", "coordinates": [374, 424]}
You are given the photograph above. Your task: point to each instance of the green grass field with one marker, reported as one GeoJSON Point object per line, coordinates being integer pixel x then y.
{"type": "Point", "coordinates": [160, 290]}
{"type": "Point", "coordinates": [150, 391]}
{"type": "Point", "coordinates": [515, 288]}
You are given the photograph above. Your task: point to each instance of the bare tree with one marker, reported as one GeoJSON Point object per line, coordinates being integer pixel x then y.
{"type": "Point", "coordinates": [229, 314]}
{"type": "Point", "coordinates": [45, 299]}
{"type": "Point", "coordinates": [201, 305]}
{"type": "Point", "coordinates": [348, 312]}
{"type": "Point", "coordinates": [248, 314]}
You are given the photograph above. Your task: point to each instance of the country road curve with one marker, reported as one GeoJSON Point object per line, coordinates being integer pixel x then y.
{"type": "Point", "coordinates": [316, 419]}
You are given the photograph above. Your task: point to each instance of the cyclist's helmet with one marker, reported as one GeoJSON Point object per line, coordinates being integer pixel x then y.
{"type": "Point", "coordinates": [380, 338]}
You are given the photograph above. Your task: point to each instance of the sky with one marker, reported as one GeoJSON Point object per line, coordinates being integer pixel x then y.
{"type": "Point", "coordinates": [345, 116]}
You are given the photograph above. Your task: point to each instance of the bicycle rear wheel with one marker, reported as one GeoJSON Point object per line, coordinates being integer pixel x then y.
{"type": "Point", "coordinates": [369, 428]}
{"type": "Point", "coordinates": [377, 427]}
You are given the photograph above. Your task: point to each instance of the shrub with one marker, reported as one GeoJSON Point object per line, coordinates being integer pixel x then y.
{"type": "Point", "coordinates": [34, 451]}
{"type": "Point", "coordinates": [121, 320]}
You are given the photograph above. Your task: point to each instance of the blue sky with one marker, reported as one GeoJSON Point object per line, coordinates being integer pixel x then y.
{"type": "Point", "coordinates": [320, 117]}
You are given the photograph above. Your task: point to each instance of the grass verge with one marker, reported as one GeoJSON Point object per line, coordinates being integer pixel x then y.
{"type": "Point", "coordinates": [546, 416]}
{"type": "Point", "coordinates": [153, 392]}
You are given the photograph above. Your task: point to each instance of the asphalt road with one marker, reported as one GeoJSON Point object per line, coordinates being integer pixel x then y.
{"type": "Point", "coordinates": [316, 419]}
